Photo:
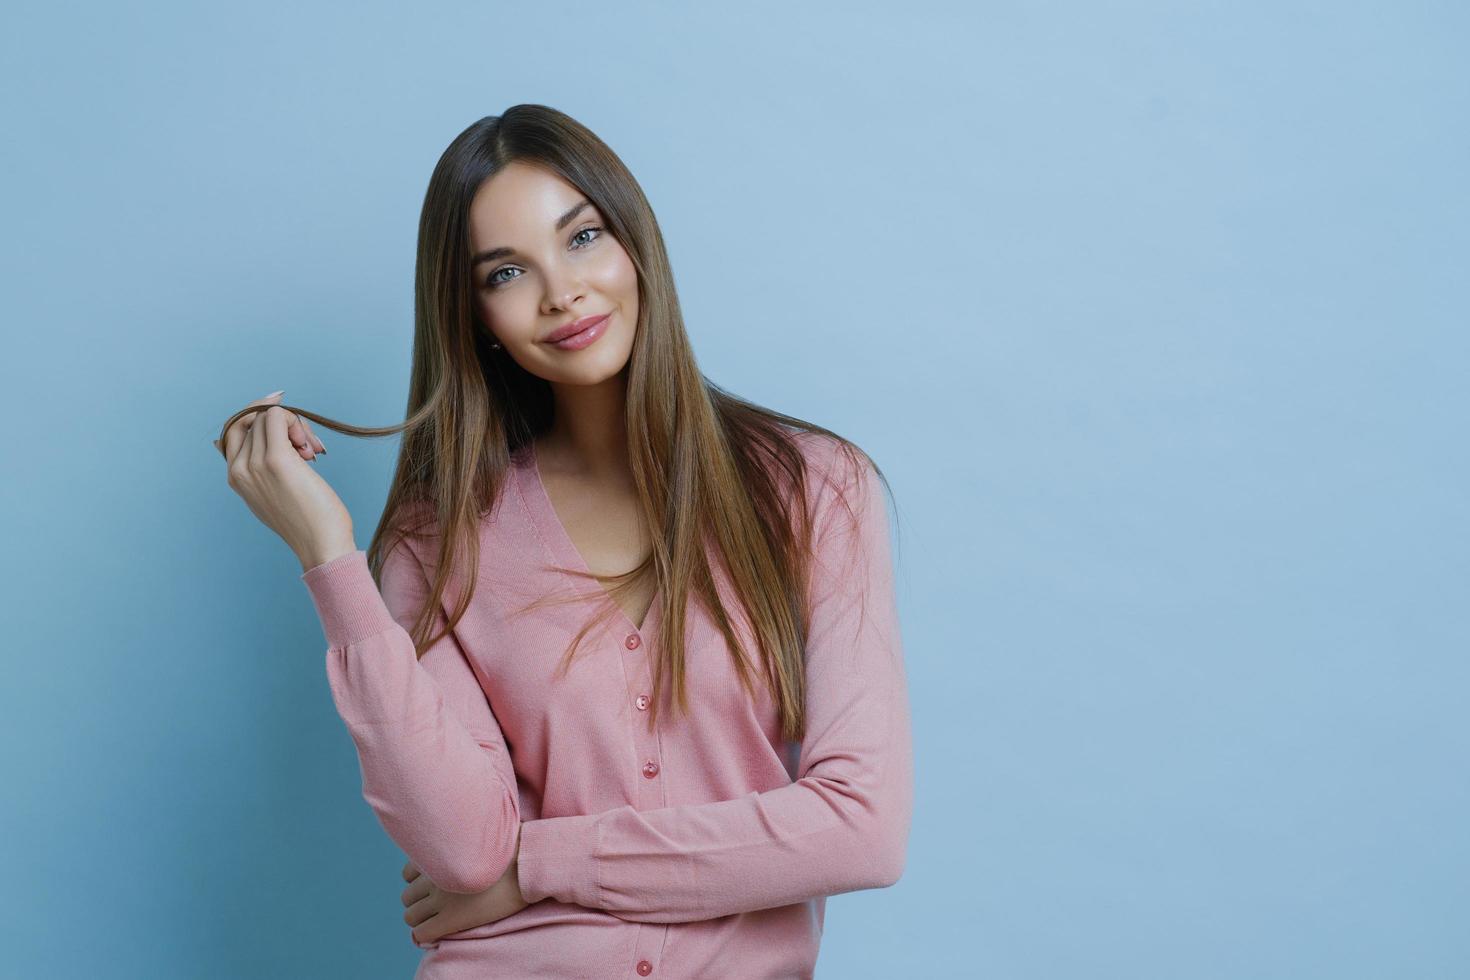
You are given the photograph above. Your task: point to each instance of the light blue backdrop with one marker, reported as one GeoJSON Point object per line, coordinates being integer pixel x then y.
{"type": "Point", "coordinates": [1155, 315]}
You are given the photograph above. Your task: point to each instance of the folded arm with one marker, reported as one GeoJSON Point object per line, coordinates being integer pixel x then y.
{"type": "Point", "coordinates": [435, 767]}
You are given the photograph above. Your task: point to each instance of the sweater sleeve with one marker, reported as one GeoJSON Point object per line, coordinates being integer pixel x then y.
{"type": "Point", "coordinates": [435, 766]}
{"type": "Point", "coordinates": [842, 825]}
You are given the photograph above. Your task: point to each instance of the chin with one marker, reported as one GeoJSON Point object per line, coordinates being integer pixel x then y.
{"type": "Point", "coordinates": [590, 370]}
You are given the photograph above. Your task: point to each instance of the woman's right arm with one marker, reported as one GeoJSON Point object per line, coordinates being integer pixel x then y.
{"type": "Point", "coordinates": [435, 766]}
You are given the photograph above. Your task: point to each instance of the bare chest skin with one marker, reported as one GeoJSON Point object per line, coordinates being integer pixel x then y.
{"type": "Point", "coordinates": [604, 526]}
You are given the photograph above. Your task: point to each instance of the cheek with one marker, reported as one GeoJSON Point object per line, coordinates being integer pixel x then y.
{"type": "Point", "coordinates": [506, 315]}
{"type": "Point", "coordinates": [490, 314]}
{"type": "Point", "coordinates": [622, 277]}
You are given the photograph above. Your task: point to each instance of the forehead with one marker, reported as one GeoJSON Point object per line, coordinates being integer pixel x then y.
{"type": "Point", "coordinates": [520, 203]}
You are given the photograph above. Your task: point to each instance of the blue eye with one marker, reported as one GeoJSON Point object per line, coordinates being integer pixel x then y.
{"type": "Point", "coordinates": [492, 282]}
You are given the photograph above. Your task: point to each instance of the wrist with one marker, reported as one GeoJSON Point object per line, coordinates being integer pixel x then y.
{"type": "Point", "coordinates": [315, 556]}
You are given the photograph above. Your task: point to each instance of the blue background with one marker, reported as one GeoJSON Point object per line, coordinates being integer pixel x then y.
{"type": "Point", "coordinates": [1154, 314]}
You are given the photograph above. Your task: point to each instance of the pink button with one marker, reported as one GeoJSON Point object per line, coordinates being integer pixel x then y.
{"type": "Point", "coordinates": [650, 769]}
{"type": "Point", "coordinates": [642, 702]}
{"type": "Point", "coordinates": [644, 968]}
{"type": "Point", "coordinates": [632, 641]}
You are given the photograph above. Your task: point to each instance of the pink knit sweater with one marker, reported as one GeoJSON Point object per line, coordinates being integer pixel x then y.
{"type": "Point", "coordinates": [703, 848]}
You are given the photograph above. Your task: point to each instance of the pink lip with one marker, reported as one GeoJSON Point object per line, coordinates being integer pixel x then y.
{"type": "Point", "coordinates": [575, 327]}
{"type": "Point", "coordinates": [579, 333]}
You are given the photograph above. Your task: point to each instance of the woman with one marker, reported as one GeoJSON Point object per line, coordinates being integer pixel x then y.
{"type": "Point", "coordinates": [590, 774]}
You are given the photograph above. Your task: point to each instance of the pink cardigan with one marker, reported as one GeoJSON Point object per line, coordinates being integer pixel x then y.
{"type": "Point", "coordinates": [703, 848]}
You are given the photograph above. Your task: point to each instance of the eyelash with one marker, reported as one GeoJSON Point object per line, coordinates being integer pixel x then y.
{"type": "Point", "coordinates": [492, 283]}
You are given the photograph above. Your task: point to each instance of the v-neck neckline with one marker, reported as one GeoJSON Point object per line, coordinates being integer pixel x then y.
{"type": "Point", "coordinates": [559, 542]}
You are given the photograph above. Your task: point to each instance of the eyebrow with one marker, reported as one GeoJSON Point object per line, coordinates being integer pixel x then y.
{"type": "Point", "coordinates": [502, 251]}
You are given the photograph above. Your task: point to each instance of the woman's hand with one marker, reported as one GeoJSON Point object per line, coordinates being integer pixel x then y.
{"type": "Point", "coordinates": [267, 454]}
{"type": "Point", "coordinates": [434, 913]}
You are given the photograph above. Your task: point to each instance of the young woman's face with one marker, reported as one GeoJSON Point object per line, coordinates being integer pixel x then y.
{"type": "Point", "coordinates": [551, 262]}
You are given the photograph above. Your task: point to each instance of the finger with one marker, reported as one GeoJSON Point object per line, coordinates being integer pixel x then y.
{"type": "Point", "coordinates": [259, 438]}
{"type": "Point", "coordinates": [277, 424]}
{"type": "Point", "coordinates": [410, 871]}
{"type": "Point", "coordinates": [296, 432]}
{"type": "Point", "coordinates": [235, 434]}
{"type": "Point", "coordinates": [234, 437]}
{"type": "Point", "coordinates": [288, 433]}
{"type": "Point", "coordinates": [238, 430]}
{"type": "Point", "coordinates": [421, 911]}
{"type": "Point", "coordinates": [416, 891]}
{"type": "Point", "coordinates": [316, 443]}
{"type": "Point", "coordinates": [427, 931]}
{"type": "Point", "coordinates": [242, 455]}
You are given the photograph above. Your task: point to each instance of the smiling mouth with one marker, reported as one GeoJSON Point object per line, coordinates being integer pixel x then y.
{"type": "Point", "coordinates": [576, 327]}
{"type": "Point", "coordinates": [586, 337]}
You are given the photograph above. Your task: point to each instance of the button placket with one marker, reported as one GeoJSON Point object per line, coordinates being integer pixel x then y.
{"type": "Point", "coordinates": [645, 742]}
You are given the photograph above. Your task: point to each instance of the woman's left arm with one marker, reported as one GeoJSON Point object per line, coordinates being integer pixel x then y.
{"type": "Point", "coordinates": [842, 825]}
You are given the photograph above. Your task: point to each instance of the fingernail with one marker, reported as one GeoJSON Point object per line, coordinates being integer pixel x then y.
{"type": "Point", "coordinates": [275, 393]}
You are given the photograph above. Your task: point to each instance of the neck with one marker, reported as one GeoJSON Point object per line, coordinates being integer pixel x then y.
{"type": "Point", "coordinates": [588, 435]}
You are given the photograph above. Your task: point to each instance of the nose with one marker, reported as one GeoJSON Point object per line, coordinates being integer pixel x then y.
{"type": "Point", "coordinates": [562, 291]}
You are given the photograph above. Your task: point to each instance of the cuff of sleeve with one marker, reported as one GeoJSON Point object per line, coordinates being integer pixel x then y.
{"type": "Point", "coordinates": [347, 600]}
{"type": "Point", "coordinates": [556, 860]}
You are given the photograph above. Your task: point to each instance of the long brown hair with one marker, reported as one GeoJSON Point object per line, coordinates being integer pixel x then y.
{"type": "Point", "coordinates": [712, 470]}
